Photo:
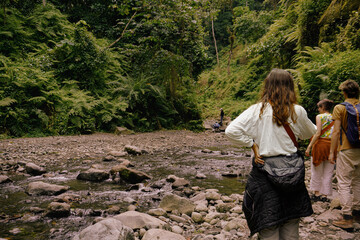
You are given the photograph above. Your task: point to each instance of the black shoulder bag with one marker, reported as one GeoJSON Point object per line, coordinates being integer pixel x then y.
{"type": "Point", "coordinates": [286, 172]}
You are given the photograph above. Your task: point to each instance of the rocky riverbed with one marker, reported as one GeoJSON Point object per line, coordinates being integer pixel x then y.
{"type": "Point", "coordinates": [168, 184]}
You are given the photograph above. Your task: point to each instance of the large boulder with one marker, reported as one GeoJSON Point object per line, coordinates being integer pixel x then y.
{"type": "Point", "coordinates": [94, 175]}
{"type": "Point", "coordinates": [34, 169]}
{"type": "Point", "coordinates": [41, 188]}
{"type": "Point", "coordinates": [138, 220]}
{"type": "Point", "coordinates": [173, 202]}
{"type": "Point", "coordinates": [160, 234]}
{"type": "Point", "coordinates": [109, 229]}
{"type": "Point", "coordinates": [129, 175]}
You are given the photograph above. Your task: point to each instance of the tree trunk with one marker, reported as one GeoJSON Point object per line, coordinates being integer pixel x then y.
{"type": "Point", "coordinates": [213, 33]}
{"type": "Point", "coordinates": [4, 12]}
{"type": "Point", "coordinates": [232, 39]}
{"type": "Point", "coordinates": [44, 2]}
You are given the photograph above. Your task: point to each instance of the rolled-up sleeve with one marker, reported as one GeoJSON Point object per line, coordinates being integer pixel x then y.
{"type": "Point", "coordinates": [306, 127]}
{"type": "Point", "coordinates": [238, 130]}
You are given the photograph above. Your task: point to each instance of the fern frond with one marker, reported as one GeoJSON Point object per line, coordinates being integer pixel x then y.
{"type": "Point", "coordinates": [38, 99]}
{"type": "Point", "coordinates": [7, 102]}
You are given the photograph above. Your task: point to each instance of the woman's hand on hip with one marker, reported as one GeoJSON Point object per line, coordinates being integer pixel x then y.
{"type": "Point", "coordinates": [257, 156]}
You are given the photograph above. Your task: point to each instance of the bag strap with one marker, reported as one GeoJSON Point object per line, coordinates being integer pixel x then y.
{"type": "Point", "coordinates": [327, 128]}
{"type": "Point", "coordinates": [357, 119]}
{"type": "Point", "coordinates": [291, 134]}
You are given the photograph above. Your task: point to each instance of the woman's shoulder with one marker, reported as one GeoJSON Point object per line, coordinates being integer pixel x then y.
{"type": "Point", "coordinates": [254, 107]}
{"type": "Point", "coordinates": [299, 109]}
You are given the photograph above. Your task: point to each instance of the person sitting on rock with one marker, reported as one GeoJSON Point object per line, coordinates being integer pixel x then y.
{"type": "Point", "coordinates": [216, 126]}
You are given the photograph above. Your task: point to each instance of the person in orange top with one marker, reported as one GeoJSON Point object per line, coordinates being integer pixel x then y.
{"type": "Point", "coordinates": [348, 162]}
{"type": "Point", "coordinates": [321, 169]}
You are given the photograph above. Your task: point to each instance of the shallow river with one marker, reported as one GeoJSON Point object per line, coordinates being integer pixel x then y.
{"type": "Point", "coordinates": [18, 221]}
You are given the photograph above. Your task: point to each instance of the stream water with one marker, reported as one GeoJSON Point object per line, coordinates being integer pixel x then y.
{"type": "Point", "coordinates": [21, 217]}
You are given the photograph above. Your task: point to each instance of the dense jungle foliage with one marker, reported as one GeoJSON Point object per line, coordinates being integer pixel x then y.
{"type": "Point", "coordinates": [317, 41]}
{"type": "Point", "coordinates": [75, 67]}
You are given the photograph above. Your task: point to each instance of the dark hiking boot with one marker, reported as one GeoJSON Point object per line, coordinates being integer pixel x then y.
{"type": "Point", "coordinates": [346, 223]}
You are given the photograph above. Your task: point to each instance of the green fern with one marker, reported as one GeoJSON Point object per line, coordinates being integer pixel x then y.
{"type": "Point", "coordinates": [7, 102]}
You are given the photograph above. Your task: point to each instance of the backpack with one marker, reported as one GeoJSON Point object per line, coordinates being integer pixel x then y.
{"type": "Point", "coordinates": [353, 122]}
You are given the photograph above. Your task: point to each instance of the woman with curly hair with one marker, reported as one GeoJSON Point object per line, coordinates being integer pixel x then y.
{"type": "Point", "coordinates": [271, 128]}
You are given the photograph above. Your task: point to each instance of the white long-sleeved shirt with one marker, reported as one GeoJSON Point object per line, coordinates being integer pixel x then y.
{"type": "Point", "coordinates": [272, 139]}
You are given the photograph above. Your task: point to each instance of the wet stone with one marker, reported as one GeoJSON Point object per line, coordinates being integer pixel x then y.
{"type": "Point", "coordinates": [157, 212]}
{"type": "Point", "coordinates": [58, 210]}
{"type": "Point", "coordinates": [123, 130]}
{"type": "Point", "coordinates": [158, 184]}
{"type": "Point", "coordinates": [125, 162]}
{"type": "Point", "coordinates": [197, 217]}
{"type": "Point", "coordinates": [137, 220]}
{"type": "Point", "coordinates": [129, 200]}
{"type": "Point", "coordinates": [177, 218]}
{"type": "Point", "coordinates": [41, 188]}
{"type": "Point", "coordinates": [224, 207]}
{"type": "Point", "coordinates": [171, 178]}
{"type": "Point", "coordinates": [131, 207]}
{"type": "Point", "coordinates": [34, 169]}
{"type": "Point", "coordinates": [109, 158]}
{"type": "Point", "coordinates": [117, 154]}
{"type": "Point", "coordinates": [36, 210]}
{"type": "Point", "coordinates": [95, 175]}
{"type": "Point", "coordinates": [200, 176]}
{"type": "Point", "coordinates": [213, 196]}
{"type": "Point", "coordinates": [15, 231]}
{"type": "Point", "coordinates": [180, 182]}
{"type": "Point", "coordinates": [68, 198]}
{"type": "Point", "coordinates": [160, 234]}
{"type": "Point", "coordinates": [132, 175]}
{"type": "Point", "coordinates": [206, 151]}
{"type": "Point", "coordinates": [132, 150]}
{"type": "Point", "coordinates": [4, 179]}
{"type": "Point", "coordinates": [172, 202]}
{"type": "Point", "coordinates": [108, 228]}
{"type": "Point", "coordinates": [113, 210]}
{"type": "Point", "coordinates": [177, 229]}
